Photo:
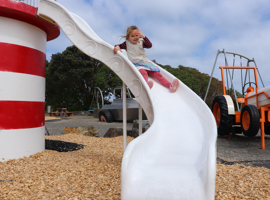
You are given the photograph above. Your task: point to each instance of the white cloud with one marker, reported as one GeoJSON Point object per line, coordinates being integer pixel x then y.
{"type": "Point", "coordinates": [183, 32]}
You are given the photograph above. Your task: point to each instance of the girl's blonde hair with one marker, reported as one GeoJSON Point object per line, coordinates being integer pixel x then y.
{"type": "Point", "coordinates": [128, 32]}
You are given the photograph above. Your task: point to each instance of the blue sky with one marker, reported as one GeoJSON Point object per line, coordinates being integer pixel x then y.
{"type": "Point", "coordinates": [183, 32]}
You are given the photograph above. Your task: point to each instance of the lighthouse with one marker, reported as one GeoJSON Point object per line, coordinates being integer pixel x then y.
{"type": "Point", "coordinates": [23, 38]}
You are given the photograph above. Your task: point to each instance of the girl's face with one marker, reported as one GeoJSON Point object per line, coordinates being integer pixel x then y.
{"type": "Point", "coordinates": [134, 37]}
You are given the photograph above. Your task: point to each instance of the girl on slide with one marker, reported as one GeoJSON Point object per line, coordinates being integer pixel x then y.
{"type": "Point", "coordinates": [135, 43]}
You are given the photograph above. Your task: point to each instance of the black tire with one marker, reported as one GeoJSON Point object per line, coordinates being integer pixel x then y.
{"type": "Point", "coordinates": [250, 120]}
{"type": "Point", "coordinates": [105, 116]}
{"type": "Point", "coordinates": [223, 119]}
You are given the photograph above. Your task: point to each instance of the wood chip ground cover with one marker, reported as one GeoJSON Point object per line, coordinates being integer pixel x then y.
{"type": "Point", "coordinates": [94, 173]}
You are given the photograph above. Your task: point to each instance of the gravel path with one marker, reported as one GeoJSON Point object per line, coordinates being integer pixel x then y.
{"type": "Point", "coordinates": [244, 150]}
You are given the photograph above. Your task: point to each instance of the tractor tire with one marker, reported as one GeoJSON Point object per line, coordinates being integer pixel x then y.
{"type": "Point", "coordinates": [250, 120]}
{"type": "Point", "coordinates": [105, 116]}
{"type": "Point", "coordinates": [223, 119]}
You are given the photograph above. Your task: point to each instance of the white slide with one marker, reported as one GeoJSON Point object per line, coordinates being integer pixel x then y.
{"type": "Point", "coordinates": [176, 157]}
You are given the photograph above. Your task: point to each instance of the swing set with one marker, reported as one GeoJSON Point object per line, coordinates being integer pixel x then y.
{"type": "Point", "coordinates": [95, 103]}
{"type": "Point", "coordinates": [250, 109]}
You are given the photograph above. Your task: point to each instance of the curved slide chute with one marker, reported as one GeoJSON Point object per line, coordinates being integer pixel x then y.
{"type": "Point", "coordinates": [176, 157]}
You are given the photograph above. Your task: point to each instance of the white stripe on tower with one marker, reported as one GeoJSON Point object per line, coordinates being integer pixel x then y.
{"type": "Point", "coordinates": [17, 32]}
{"type": "Point", "coordinates": [24, 87]}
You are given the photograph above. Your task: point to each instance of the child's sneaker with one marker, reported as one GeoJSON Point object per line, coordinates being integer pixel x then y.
{"type": "Point", "coordinates": [174, 85]}
{"type": "Point", "coordinates": [150, 83]}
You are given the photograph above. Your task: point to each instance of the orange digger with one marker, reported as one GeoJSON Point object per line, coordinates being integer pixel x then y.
{"type": "Point", "coordinates": [246, 111]}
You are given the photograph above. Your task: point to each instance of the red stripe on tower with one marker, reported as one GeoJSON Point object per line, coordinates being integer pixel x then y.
{"type": "Point", "coordinates": [22, 59]}
{"type": "Point", "coordinates": [21, 114]}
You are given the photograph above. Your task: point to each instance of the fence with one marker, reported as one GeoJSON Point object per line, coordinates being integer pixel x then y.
{"type": "Point", "coordinates": [30, 2]}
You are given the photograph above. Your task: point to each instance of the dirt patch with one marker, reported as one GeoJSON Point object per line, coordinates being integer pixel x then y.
{"type": "Point", "coordinates": [93, 172]}
{"type": "Point", "coordinates": [50, 118]}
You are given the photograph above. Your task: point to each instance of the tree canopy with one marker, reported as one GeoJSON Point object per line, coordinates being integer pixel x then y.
{"type": "Point", "coordinates": [196, 81]}
{"type": "Point", "coordinates": [71, 77]}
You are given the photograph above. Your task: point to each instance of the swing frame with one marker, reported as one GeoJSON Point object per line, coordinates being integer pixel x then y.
{"type": "Point", "coordinates": [97, 91]}
{"type": "Point", "coordinates": [228, 71]}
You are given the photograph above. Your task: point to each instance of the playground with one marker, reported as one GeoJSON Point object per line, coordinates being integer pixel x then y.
{"type": "Point", "coordinates": [178, 157]}
{"type": "Point", "coordinates": [93, 172]}
{"type": "Point", "coordinates": [194, 171]}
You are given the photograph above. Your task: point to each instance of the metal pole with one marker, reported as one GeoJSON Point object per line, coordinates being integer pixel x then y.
{"type": "Point", "coordinates": [97, 100]}
{"type": "Point", "coordinates": [232, 86]}
{"type": "Point", "coordinates": [226, 64]}
{"type": "Point", "coordinates": [140, 119]}
{"type": "Point", "coordinates": [102, 99]}
{"type": "Point", "coordinates": [241, 75]}
{"type": "Point", "coordinates": [211, 76]}
{"type": "Point", "coordinates": [124, 117]}
{"type": "Point", "coordinates": [258, 72]}
{"type": "Point", "coordinates": [226, 61]}
{"type": "Point", "coordinates": [234, 91]}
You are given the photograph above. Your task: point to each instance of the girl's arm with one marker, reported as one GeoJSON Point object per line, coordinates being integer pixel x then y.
{"type": "Point", "coordinates": [119, 47]}
{"type": "Point", "coordinates": [146, 42]}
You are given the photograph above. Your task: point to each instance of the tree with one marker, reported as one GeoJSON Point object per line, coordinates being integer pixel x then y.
{"type": "Point", "coordinates": [196, 81]}
{"type": "Point", "coordinates": [71, 78]}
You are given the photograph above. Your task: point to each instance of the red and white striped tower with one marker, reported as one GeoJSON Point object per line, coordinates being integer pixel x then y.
{"type": "Point", "coordinates": [23, 38]}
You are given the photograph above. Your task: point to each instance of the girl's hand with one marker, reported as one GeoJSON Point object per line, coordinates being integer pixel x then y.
{"type": "Point", "coordinates": [116, 48]}
{"type": "Point", "coordinates": [138, 32]}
